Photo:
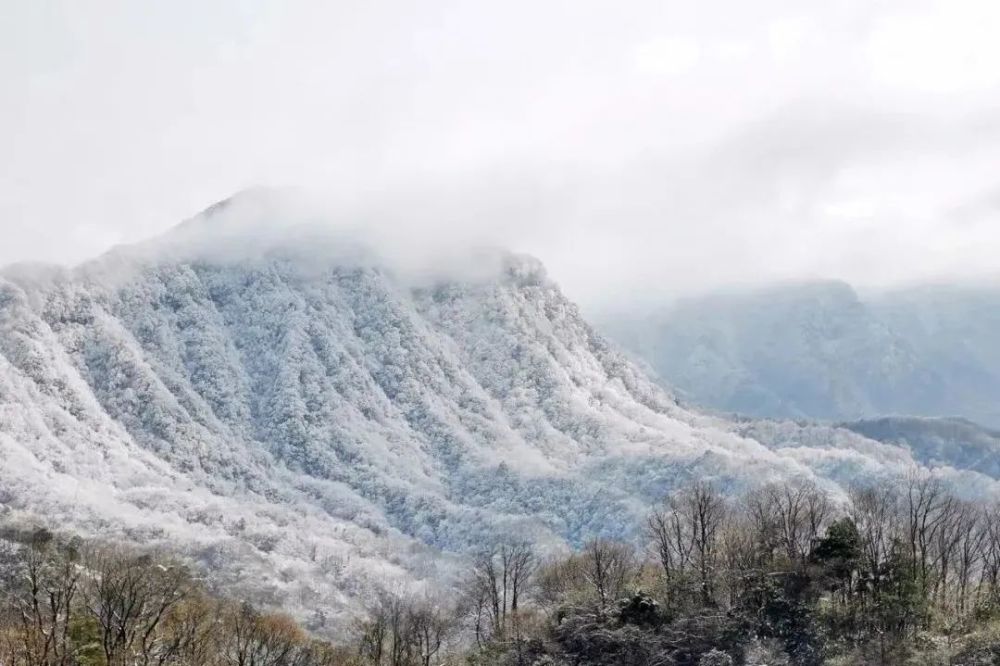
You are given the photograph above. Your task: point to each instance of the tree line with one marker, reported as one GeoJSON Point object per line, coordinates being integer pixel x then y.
{"type": "Point", "coordinates": [67, 602]}
{"type": "Point", "coordinates": [787, 573]}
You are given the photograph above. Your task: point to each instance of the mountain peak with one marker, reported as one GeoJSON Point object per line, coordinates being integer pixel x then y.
{"type": "Point", "coordinates": [232, 390]}
{"type": "Point", "coordinates": [262, 213]}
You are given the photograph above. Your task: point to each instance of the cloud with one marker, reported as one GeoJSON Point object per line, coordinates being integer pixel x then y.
{"type": "Point", "coordinates": [668, 55]}
{"type": "Point", "coordinates": [948, 49]}
{"type": "Point", "coordinates": [646, 146]}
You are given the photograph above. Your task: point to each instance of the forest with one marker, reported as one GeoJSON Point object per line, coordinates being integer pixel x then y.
{"type": "Point", "coordinates": [899, 573]}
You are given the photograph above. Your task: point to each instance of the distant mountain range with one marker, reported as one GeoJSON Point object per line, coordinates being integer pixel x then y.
{"type": "Point", "coordinates": [937, 441]}
{"type": "Point", "coordinates": [822, 351]}
{"type": "Point", "coordinates": [307, 421]}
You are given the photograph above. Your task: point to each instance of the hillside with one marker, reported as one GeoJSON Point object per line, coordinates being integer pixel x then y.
{"type": "Point", "coordinates": [935, 440]}
{"type": "Point", "coordinates": [822, 351]}
{"type": "Point", "coordinates": [309, 422]}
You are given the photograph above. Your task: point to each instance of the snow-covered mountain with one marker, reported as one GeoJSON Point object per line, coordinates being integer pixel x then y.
{"type": "Point", "coordinates": [822, 351]}
{"type": "Point", "coordinates": [938, 441]}
{"type": "Point", "coordinates": [310, 419]}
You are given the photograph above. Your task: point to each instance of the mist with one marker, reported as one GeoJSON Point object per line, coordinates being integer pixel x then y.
{"type": "Point", "coordinates": [317, 233]}
{"type": "Point", "coordinates": [641, 151]}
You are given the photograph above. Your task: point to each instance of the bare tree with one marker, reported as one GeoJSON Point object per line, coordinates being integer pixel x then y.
{"type": "Point", "coordinates": [404, 631]}
{"type": "Point", "coordinates": [393, 614]}
{"type": "Point", "coordinates": [874, 513]}
{"type": "Point", "coordinates": [608, 566]}
{"type": "Point", "coordinates": [374, 634]}
{"type": "Point", "coordinates": [61, 605]}
{"type": "Point", "coordinates": [955, 517]}
{"type": "Point", "coordinates": [188, 634]}
{"type": "Point", "coordinates": [801, 510]}
{"type": "Point", "coordinates": [926, 503]}
{"type": "Point", "coordinates": [971, 552]}
{"type": "Point", "coordinates": [430, 624]}
{"type": "Point", "coordinates": [703, 509]}
{"type": "Point", "coordinates": [255, 639]}
{"type": "Point", "coordinates": [759, 505]}
{"type": "Point", "coordinates": [738, 555]}
{"type": "Point", "coordinates": [990, 586]}
{"type": "Point", "coordinates": [500, 579]}
{"type": "Point", "coordinates": [44, 575]}
{"type": "Point", "coordinates": [130, 596]}
{"type": "Point", "coordinates": [685, 534]}
{"type": "Point", "coordinates": [672, 540]}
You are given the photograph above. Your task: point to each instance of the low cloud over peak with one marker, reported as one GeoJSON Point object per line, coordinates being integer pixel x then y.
{"type": "Point", "coordinates": [656, 146]}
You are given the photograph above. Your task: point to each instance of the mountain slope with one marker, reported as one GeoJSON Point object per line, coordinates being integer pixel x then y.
{"type": "Point", "coordinates": [308, 421]}
{"type": "Point", "coordinates": [821, 351]}
{"type": "Point", "coordinates": [935, 441]}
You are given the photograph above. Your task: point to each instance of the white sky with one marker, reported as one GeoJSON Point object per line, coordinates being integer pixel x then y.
{"type": "Point", "coordinates": [662, 145]}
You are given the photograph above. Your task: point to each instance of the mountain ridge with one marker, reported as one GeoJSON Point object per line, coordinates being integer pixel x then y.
{"type": "Point", "coordinates": [821, 350]}
{"type": "Point", "coordinates": [309, 429]}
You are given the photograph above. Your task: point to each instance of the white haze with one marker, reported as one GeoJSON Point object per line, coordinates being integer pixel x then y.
{"type": "Point", "coordinates": [637, 148]}
{"type": "Point", "coordinates": [259, 223]}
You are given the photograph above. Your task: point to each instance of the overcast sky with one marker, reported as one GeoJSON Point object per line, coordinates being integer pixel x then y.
{"type": "Point", "coordinates": [667, 145]}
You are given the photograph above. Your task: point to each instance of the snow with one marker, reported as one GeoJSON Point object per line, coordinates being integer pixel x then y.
{"type": "Point", "coordinates": [309, 427]}
{"type": "Point", "coordinates": [821, 351]}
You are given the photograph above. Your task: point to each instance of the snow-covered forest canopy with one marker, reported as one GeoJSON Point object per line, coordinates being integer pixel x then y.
{"type": "Point", "coordinates": [826, 350]}
{"type": "Point", "coordinates": [307, 419]}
